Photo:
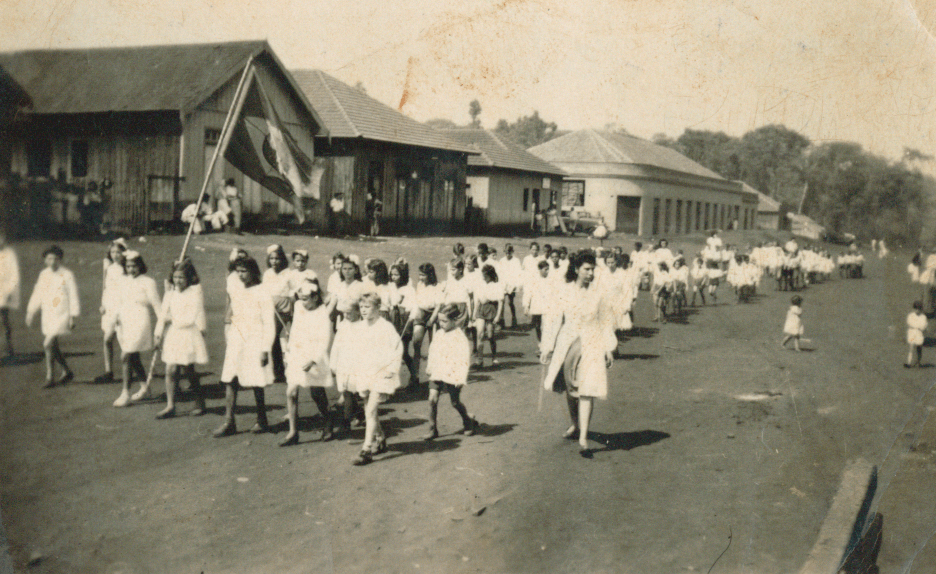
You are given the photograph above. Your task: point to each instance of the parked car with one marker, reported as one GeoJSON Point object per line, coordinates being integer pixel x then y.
{"type": "Point", "coordinates": [577, 221]}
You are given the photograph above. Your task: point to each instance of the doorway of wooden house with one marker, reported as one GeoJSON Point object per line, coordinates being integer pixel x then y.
{"type": "Point", "coordinates": [628, 215]}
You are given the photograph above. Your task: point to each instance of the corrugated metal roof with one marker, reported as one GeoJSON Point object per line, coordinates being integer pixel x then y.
{"type": "Point", "coordinates": [592, 146]}
{"type": "Point", "coordinates": [496, 152]}
{"type": "Point", "coordinates": [765, 203]}
{"type": "Point", "coordinates": [131, 79]}
{"type": "Point", "coordinates": [350, 113]}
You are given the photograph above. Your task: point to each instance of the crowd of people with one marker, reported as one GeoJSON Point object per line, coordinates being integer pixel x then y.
{"type": "Point", "coordinates": [353, 332]}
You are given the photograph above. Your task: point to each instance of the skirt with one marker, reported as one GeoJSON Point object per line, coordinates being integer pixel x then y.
{"type": "Point", "coordinates": [487, 311]}
{"type": "Point", "coordinates": [185, 346]}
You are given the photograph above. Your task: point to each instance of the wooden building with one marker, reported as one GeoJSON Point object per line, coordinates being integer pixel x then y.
{"type": "Point", "coordinates": [506, 184]}
{"type": "Point", "coordinates": [642, 188]}
{"type": "Point", "coordinates": [142, 123]}
{"type": "Point", "coordinates": [14, 103]}
{"type": "Point", "coordinates": [415, 171]}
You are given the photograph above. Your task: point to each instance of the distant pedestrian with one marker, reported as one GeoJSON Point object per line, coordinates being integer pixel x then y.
{"type": "Point", "coordinates": [56, 296]}
{"type": "Point", "coordinates": [233, 197]}
{"type": "Point", "coordinates": [916, 325]}
{"type": "Point", "coordinates": [793, 327]}
{"type": "Point", "coordinates": [9, 289]}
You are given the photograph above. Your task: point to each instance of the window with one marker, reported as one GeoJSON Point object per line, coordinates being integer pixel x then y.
{"type": "Point", "coordinates": [666, 216]}
{"type": "Point", "coordinates": [656, 215]}
{"type": "Point", "coordinates": [708, 210]}
{"type": "Point", "coordinates": [212, 136]}
{"type": "Point", "coordinates": [79, 158]}
{"type": "Point", "coordinates": [39, 158]}
{"type": "Point", "coordinates": [526, 199]}
{"type": "Point", "coordinates": [573, 193]}
{"type": "Point", "coordinates": [678, 216]}
{"type": "Point", "coordinates": [698, 215]}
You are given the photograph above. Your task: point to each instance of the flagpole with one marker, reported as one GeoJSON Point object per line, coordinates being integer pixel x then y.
{"type": "Point", "coordinates": [234, 111]}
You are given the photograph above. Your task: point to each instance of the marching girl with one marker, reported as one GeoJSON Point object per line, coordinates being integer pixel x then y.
{"type": "Point", "coordinates": [56, 296]}
{"type": "Point", "coordinates": [250, 339]}
{"type": "Point", "coordinates": [276, 281]}
{"type": "Point", "coordinates": [916, 324]}
{"type": "Point", "coordinates": [341, 360]}
{"type": "Point", "coordinates": [661, 288]}
{"type": "Point", "coordinates": [793, 326]}
{"type": "Point", "coordinates": [489, 305]}
{"type": "Point", "coordinates": [9, 289]}
{"type": "Point", "coordinates": [345, 293]}
{"type": "Point", "coordinates": [680, 281]}
{"type": "Point", "coordinates": [402, 299]}
{"type": "Point", "coordinates": [376, 372]}
{"type": "Point", "coordinates": [531, 261]}
{"type": "Point", "coordinates": [579, 342]}
{"type": "Point", "coordinates": [139, 300]}
{"type": "Point", "coordinates": [183, 343]}
{"type": "Point", "coordinates": [378, 281]}
{"type": "Point", "coordinates": [307, 363]}
{"type": "Point", "coordinates": [714, 276]}
{"type": "Point", "coordinates": [110, 301]}
{"type": "Point", "coordinates": [613, 281]}
{"type": "Point", "coordinates": [699, 277]}
{"type": "Point", "coordinates": [335, 278]}
{"type": "Point", "coordinates": [537, 297]}
{"type": "Point", "coordinates": [427, 297]}
{"type": "Point", "coordinates": [447, 370]}
{"type": "Point", "coordinates": [511, 273]}
{"type": "Point", "coordinates": [299, 273]}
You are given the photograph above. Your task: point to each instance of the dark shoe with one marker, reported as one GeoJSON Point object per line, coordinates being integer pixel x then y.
{"type": "Point", "coordinates": [432, 434]}
{"type": "Point", "coordinates": [587, 453]}
{"type": "Point", "coordinates": [104, 378]}
{"type": "Point", "coordinates": [327, 434]}
{"type": "Point", "coordinates": [571, 434]}
{"type": "Point", "coordinates": [290, 440]}
{"type": "Point", "coordinates": [260, 427]}
{"type": "Point", "coordinates": [362, 458]}
{"type": "Point", "coordinates": [48, 384]}
{"type": "Point", "coordinates": [165, 414]}
{"type": "Point", "coordinates": [227, 429]}
{"type": "Point", "coordinates": [381, 447]}
{"type": "Point", "coordinates": [472, 428]}
{"type": "Point", "coordinates": [69, 376]}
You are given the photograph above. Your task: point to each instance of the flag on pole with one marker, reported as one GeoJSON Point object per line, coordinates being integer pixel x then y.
{"type": "Point", "coordinates": [263, 148]}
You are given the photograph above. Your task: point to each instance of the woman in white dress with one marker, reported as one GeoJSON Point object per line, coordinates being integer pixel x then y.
{"type": "Point", "coordinates": [307, 364]}
{"type": "Point", "coordinates": [276, 280]}
{"type": "Point", "coordinates": [9, 289]}
{"type": "Point", "coordinates": [183, 345]}
{"type": "Point", "coordinates": [249, 341]}
{"type": "Point", "coordinates": [579, 342]}
{"type": "Point", "coordinates": [139, 301]}
{"type": "Point", "coordinates": [110, 300]}
{"type": "Point", "coordinates": [56, 296]}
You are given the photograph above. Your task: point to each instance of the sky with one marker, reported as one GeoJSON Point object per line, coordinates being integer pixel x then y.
{"type": "Point", "coordinates": [859, 70]}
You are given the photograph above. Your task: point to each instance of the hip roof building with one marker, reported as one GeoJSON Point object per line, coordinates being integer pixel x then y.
{"type": "Point", "coordinates": [641, 188]}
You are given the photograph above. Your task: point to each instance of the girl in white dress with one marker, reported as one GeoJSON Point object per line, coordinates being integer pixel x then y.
{"type": "Point", "coordinates": [341, 360]}
{"type": "Point", "coordinates": [276, 281]}
{"type": "Point", "coordinates": [427, 299]}
{"type": "Point", "coordinates": [183, 344]}
{"type": "Point", "coordinates": [511, 273]}
{"type": "Point", "coordinates": [793, 326]}
{"type": "Point", "coordinates": [307, 363]}
{"type": "Point", "coordinates": [378, 281]}
{"type": "Point", "coordinates": [447, 369]}
{"type": "Point", "coordinates": [488, 309]}
{"type": "Point", "coordinates": [9, 289]}
{"type": "Point", "coordinates": [537, 297]}
{"type": "Point", "coordinates": [56, 296]}
{"type": "Point", "coordinates": [916, 324]}
{"type": "Point", "coordinates": [376, 371]}
{"type": "Point", "coordinates": [579, 342]}
{"type": "Point", "coordinates": [110, 300]}
{"type": "Point", "coordinates": [347, 292]}
{"type": "Point", "coordinates": [335, 278]}
{"type": "Point", "coordinates": [250, 339]}
{"type": "Point", "coordinates": [139, 301]}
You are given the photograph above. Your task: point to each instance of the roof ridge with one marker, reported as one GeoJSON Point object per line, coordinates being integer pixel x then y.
{"type": "Point", "coordinates": [323, 77]}
{"type": "Point", "coordinates": [132, 47]}
{"type": "Point", "coordinates": [602, 141]}
{"type": "Point", "coordinates": [499, 141]}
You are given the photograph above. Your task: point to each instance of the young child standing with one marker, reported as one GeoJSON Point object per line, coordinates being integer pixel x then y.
{"type": "Point", "coordinates": [793, 327]}
{"type": "Point", "coordinates": [307, 359]}
{"type": "Point", "coordinates": [916, 324]}
{"type": "Point", "coordinates": [139, 300]}
{"type": "Point", "coordinates": [447, 369]}
{"type": "Point", "coordinates": [56, 296]}
{"type": "Point", "coordinates": [341, 361]}
{"type": "Point", "coordinates": [183, 345]}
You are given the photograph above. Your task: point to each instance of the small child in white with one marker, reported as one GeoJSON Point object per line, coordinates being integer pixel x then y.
{"type": "Point", "coordinates": [916, 324]}
{"type": "Point", "coordinates": [56, 295]}
{"type": "Point", "coordinates": [793, 327]}
{"type": "Point", "coordinates": [447, 369]}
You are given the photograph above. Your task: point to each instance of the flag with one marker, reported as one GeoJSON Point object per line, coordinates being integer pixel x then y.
{"type": "Point", "coordinates": [263, 148]}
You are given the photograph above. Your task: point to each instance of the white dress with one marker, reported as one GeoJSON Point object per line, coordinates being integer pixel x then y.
{"type": "Point", "coordinates": [183, 342]}
{"type": "Point", "coordinates": [9, 279]}
{"type": "Point", "coordinates": [56, 295]}
{"type": "Point", "coordinates": [580, 316]}
{"type": "Point", "coordinates": [916, 324]}
{"type": "Point", "coordinates": [342, 356]}
{"type": "Point", "coordinates": [376, 363]}
{"type": "Point", "coordinates": [134, 320]}
{"type": "Point", "coordinates": [111, 295]}
{"type": "Point", "coordinates": [449, 357]}
{"type": "Point", "coordinates": [250, 335]}
{"type": "Point", "coordinates": [794, 322]}
{"type": "Point", "coordinates": [309, 340]}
